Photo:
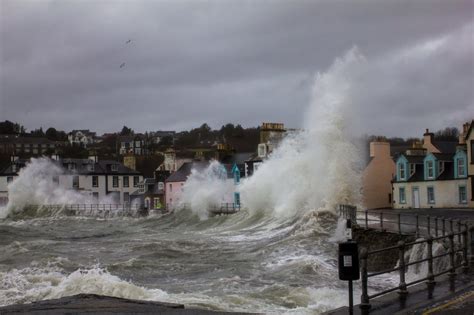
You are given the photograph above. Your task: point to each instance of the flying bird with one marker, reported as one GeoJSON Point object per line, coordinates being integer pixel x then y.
{"type": "Point", "coordinates": [122, 65]}
{"type": "Point", "coordinates": [128, 41]}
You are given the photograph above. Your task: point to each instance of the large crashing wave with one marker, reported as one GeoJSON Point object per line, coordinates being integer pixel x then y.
{"type": "Point", "coordinates": [315, 168]}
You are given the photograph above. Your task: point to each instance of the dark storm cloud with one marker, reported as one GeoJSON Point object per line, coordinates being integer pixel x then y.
{"type": "Point", "coordinates": [191, 62]}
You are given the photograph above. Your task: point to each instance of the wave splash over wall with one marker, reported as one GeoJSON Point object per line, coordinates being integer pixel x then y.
{"type": "Point", "coordinates": [315, 168]}
{"type": "Point", "coordinates": [35, 186]}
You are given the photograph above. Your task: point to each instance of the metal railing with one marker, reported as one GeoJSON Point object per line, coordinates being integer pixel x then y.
{"type": "Point", "coordinates": [460, 236]}
{"type": "Point", "coordinates": [223, 208]}
{"type": "Point", "coordinates": [406, 224]}
{"type": "Point", "coordinates": [402, 248]}
{"type": "Point", "coordinates": [94, 210]}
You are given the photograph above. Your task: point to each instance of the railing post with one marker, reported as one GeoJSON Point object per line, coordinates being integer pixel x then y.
{"type": "Point", "coordinates": [401, 256]}
{"type": "Point", "coordinates": [436, 226]}
{"type": "Point", "coordinates": [452, 268]}
{"type": "Point", "coordinates": [460, 238]}
{"type": "Point", "coordinates": [428, 218]}
{"type": "Point", "coordinates": [451, 226]}
{"type": "Point", "coordinates": [471, 245]}
{"type": "Point", "coordinates": [366, 219]}
{"type": "Point", "coordinates": [465, 263]}
{"type": "Point", "coordinates": [364, 298]}
{"type": "Point", "coordinates": [399, 223]}
{"type": "Point", "coordinates": [430, 274]}
{"type": "Point", "coordinates": [444, 226]}
{"type": "Point", "coordinates": [381, 221]}
{"type": "Point", "coordinates": [417, 229]}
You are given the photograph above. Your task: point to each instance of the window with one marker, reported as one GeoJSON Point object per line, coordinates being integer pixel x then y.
{"type": "Point", "coordinates": [462, 194]}
{"type": "Point", "coordinates": [95, 195]}
{"type": "Point", "coordinates": [431, 197]}
{"type": "Point", "coordinates": [136, 179]}
{"type": "Point", "coordinates": [90, 167]}
{"type": "Point", "coordinates": [430, 169]}
{"type": "Point", "coordinates": [126, 197]}
{"type": "Point", "coordinates": [125, 181]}
{"type": "Point", "coordinates": [114, 167]}
{"type": "Point", "coordinates": [401, 195]}
{"type": "Point", "coordinates": [115, 182]}
{"type": "Point", "coordinates": [171, 188]}
{"type": "Point", "coordinates": [237, 198]}
{"type": "Point", "coordinates": [9, 179]}
{"type": "Point", "coordinates": [461, 167]}
{"type": "Point", "coordinates": [72, 166]}
{"type": "Point", "coordinates": [402, 171]}
{"type": "Point", "coordinates": [95, 181]}
{"type": "Point", "coordinates": [75, 182]}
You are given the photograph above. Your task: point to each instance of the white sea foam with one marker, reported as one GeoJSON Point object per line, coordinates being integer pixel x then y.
{"type": "Point", "coordinates": [34, 284]}
{"type": "Point", "coordinates": [206, 189]}
{"type": "Point", "coordinates": [35, 186]}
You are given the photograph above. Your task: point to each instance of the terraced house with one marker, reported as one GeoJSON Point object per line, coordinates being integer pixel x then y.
{"type": "Point", "coordinates": [440, 177]}
{"type": "Point", "coordinates": [91, 177]}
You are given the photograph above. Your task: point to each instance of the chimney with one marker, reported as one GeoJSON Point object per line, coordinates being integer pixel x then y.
{"type": "Point", "coordinates": [379, 149]}
{"type": "Point", "coordinates": [93, 158]}
{"type": "Point", "coordinates": [55, 157]}
{"type": "Point", "coordinates": [428, 137]}
{"type": "Point", "coordinates": [462, 135]}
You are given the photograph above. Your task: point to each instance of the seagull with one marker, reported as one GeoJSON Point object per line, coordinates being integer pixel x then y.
{"type": "Point", "coordinates": [128, 41]}
{"type": "Point", "coordinates": [122, 65]}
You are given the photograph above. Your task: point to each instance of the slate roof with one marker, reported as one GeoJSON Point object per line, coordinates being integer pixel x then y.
{"type": "Point", "coordinates": [181, 175]}
{"type": "Point", "coordinates": [419, 174]}
{"type": "Point", "coordinates": [416, 159]}
{"type": "Point", "coordinates": [446, 146]}
{"type": "Point", "coordinates": [443, 156]}
{"type": "Point", "coordinates": [237, 158]}
{"type": "Point", "coordinates": [82, 167]}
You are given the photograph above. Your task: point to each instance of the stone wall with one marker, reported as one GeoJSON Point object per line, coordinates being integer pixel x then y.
{"type": "Point", "coordinates": [373, 240]}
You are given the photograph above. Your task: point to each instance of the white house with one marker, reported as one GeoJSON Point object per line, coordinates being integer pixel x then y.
{"type": "Point", "coordinates": [82, 138]}
{"type": "Point", "coordinates": [90, 176]}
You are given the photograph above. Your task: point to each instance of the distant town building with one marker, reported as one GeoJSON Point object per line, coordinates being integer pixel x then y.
{"type": "Point", "coordinates": [150, 194]}
{"type": "Point", "coordinates": [19, 145]}
{"type": "Point", "coordinates": [134, 144]}
{"type": "Point", "coordinates": [92, 177]}
{"type": "Point", "coordinates": [82, 138]}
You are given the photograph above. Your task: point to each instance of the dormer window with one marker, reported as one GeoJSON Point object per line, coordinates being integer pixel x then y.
{"type": "Point", "coordinates": [114, 167]}
{"type": "Point", "coordinates": [72, 166]}
{"type": "Point", "coordinates": [461, 167]}
{"type": "Point", "coordinates": [402, 171]}
{"type": "Point", "coordinates": [430, 169]}
{"type": "Point", "coordinates": [90, 167]}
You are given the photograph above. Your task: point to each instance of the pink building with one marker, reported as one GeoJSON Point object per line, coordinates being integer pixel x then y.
{"type": "Point", "coordinates": [174, 184]}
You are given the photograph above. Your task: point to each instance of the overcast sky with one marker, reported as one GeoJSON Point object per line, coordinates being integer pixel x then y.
{"type": "Point", "coordinates": [246, 62]}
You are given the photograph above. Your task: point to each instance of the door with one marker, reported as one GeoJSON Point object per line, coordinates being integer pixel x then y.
{"type": "Point", "coordinates": [416, 198]}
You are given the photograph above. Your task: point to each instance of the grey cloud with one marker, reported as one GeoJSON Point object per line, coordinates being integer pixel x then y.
{"type": "Point", "coordinates": [216, 62]}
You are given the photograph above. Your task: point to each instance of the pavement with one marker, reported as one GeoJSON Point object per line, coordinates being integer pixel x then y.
{"type": "Point", "coordinates": [92, 304]}
{"type": "Point", "coordinates": [447, 297]}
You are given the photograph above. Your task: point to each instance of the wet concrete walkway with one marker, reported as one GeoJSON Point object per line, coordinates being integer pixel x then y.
{"type": "Point", "coordinates": [92, 304]}
{"type": "Point", "coordinates": [453, 297]}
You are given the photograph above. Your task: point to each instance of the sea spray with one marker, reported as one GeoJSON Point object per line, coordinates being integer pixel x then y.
{"type": "Point", "coordinates": [318, 167]}
{"type": "Point", "coordinates": [206, 189]}
{"type": "Point", "coordinates": [35, 186]}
